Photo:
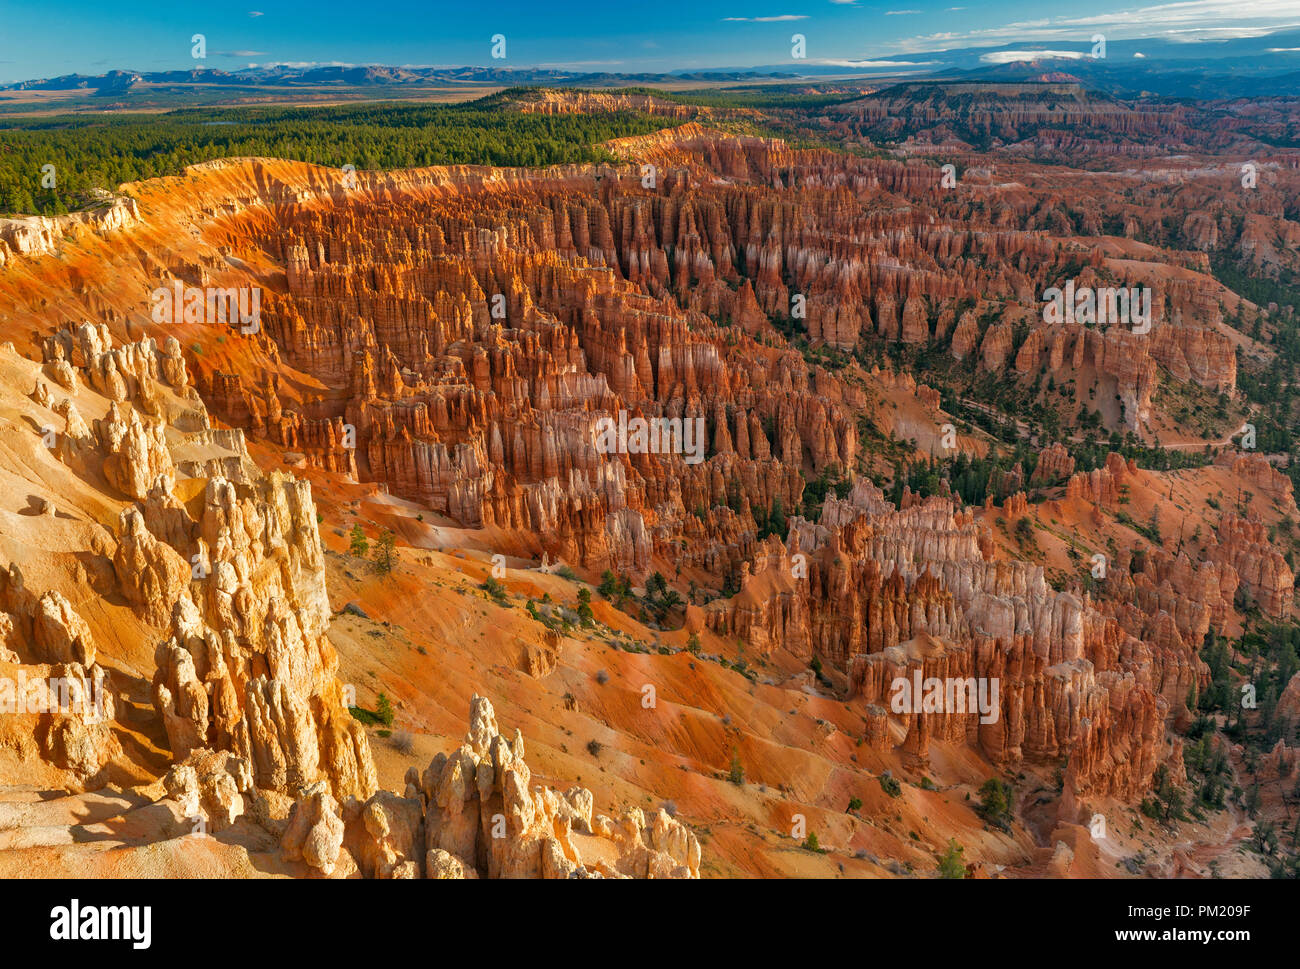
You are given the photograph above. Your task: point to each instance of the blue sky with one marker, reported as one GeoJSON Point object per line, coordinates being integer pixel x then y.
{"type": "Point", "coordinates": [91, 36]}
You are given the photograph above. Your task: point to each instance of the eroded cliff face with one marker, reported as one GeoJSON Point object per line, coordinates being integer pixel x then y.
{"type": "Point", "coordinates": [1059, 119]}
{"type": "Point", "coordinates": [551, 101]}
{"type": "Point", "coordinates": [40, 235]}
{"type": "Point", "coordinates": [456, 337]}
{"type": "Point", "coordinates": [475, 814]}
{"type": "Point", "coordinates": [888, 595]}
{"type": "Point", "coordinates": [475, 374]}
{"type": "Point", "coordinates": [459, 335]}
{"type": "Point", "coordinates": [222, 567]}
{"type": "Point", "coordinates": [1240, 554]}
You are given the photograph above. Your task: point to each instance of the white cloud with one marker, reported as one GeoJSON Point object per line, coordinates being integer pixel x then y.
{"type": "Point", "coordinates": [1188, 21]}
{"type": "Point", "coordinates": [1012, 56]}
{"type": "Point", "coordinates": [1194, 34]}
{"type": "Point", "coordinates": [1194, 13]}
{"type": "Point", "coordinates": [767, 20]}
{"type": "Point", "coordinates": [900, 13]}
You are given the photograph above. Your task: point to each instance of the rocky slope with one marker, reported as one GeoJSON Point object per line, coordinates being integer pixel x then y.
{"type": "Point", "coordinates": [1056, 120]}
{"type": "Point", "coordinates": [451, 339]}
{"type": "Point", "coordinates": [172, 667]}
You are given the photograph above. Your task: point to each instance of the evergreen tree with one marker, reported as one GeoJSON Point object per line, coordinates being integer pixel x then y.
{"type": "Point", "coordinates": [385, 552]}
{"type": "Point", "coordinates": [950, 863]}
{"type": "Point", "coordinates": [357, 544]}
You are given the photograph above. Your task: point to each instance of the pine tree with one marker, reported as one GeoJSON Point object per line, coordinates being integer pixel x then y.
{"type": "Point", "coordinates": [776, 520]}
{"type": "Point", "coordinates": [608, 587]}
{"type": "Point", "coordinates": [358, 545]}
{"type": "Point", "coordinates": [385, 552]}
{"type": "Point", "coordinates": [737, 773]}
{"type": "Point", "coordinates": [950, 864]}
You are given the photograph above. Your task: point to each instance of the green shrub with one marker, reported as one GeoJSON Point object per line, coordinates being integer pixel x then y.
{"type": "Point", "coordinates": [608, 587]}
{"type": "Point", "coordinates": [367, 717]}
{"type": "Point", "coordinates": [737, 773]}
{"type": "Point", "coordinates": [996, 800]}
{"type": "Point", "coordinates": [357, 543]}
{"type": "Point", "coordinates": [950, 864]}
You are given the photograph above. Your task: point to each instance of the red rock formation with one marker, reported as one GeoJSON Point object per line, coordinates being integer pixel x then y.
{"type": "Point", "coordinates": [1101, 486]}
{"type": "Point", "coordinates": [1015, 506]}
{"type": "Point", "coordinates": [458, 335]}
{"type": "Point", "coordinates": [1243, 544]}
{"type": "Point", "coordinates": [475, 813]}
{"type": "Point", "coordinates": [888, 592]}
{"type": "Point", "coordinates": [1256, 470]}
{"type": "Point", "coordinates": [1054, 465]}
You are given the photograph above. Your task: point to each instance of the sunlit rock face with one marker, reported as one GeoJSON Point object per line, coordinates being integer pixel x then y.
{"type": "Point", "coordinates": [460, 339]}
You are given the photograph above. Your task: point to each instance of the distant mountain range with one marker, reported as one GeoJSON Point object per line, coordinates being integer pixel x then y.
{"type": "Point", "coordinates": [116, 83]}
{"type": "Point", "coordinates": [1235, 68]}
